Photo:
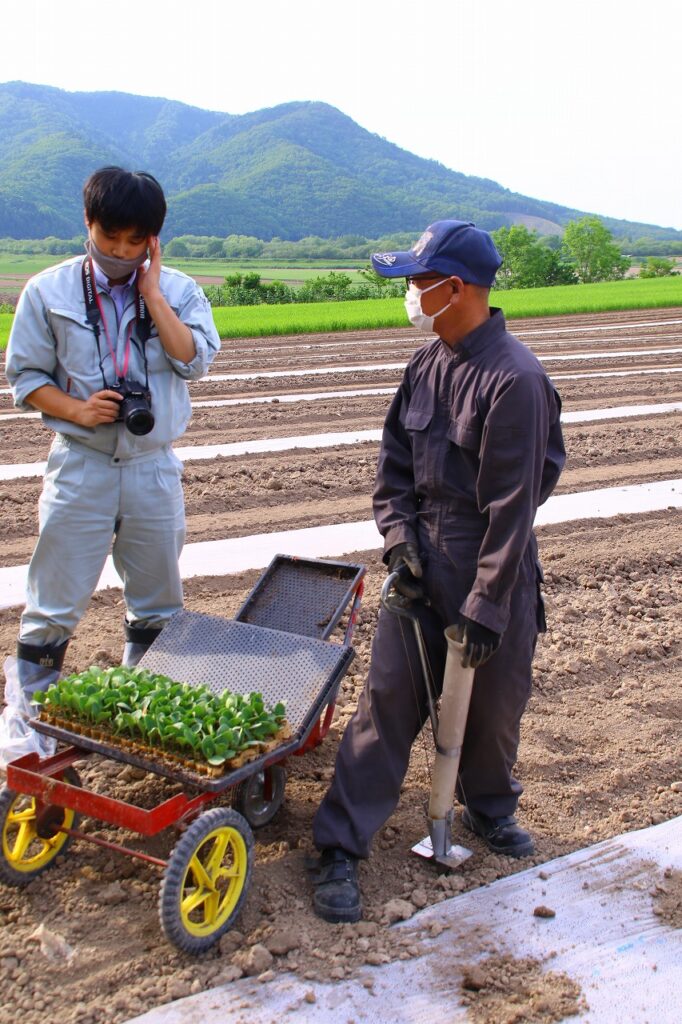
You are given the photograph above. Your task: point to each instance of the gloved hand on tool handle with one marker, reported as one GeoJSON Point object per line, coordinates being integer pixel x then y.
{"type": "Point", "coordinates": [480, 643]}
{"type": "Point", "coordinates": [404, 558]}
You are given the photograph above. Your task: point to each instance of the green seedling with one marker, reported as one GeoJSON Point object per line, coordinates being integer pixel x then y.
{"type": "Point", "coordinates": [189, 720]}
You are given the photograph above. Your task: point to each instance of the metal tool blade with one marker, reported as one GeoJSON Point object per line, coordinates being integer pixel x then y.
{"type": "Point", "coordinates": [454, 856]}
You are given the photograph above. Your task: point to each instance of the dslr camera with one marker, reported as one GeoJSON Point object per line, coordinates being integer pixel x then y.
{"type": "Point", "coordinates": [135, 410]}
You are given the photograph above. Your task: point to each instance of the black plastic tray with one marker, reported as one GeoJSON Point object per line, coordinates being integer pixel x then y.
{"type": "Point", "coordinates": [306, 596]}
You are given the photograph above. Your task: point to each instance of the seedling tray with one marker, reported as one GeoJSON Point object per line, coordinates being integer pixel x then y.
{"type": "Point", "coordinates": [225, 654]}
{"type": "Point", "coordinates": [306, 596]}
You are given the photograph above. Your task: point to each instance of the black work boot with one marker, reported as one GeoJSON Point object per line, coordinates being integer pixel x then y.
{"type": "Point", "coordinates": [138, 642]}
{"type": "Point", "coordinates": [501, 835]}
{"type": "Point", "coordinates": [337, 894]}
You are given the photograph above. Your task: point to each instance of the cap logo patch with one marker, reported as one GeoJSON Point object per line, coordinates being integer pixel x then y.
{"type": "Point", "coordinates": [419, 246]}
{"type": "Point", "coordinates": [387, 259]}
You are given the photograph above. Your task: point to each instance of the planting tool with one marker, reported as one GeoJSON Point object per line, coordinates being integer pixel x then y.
{"type": "Point", "coordinates": [280, 645]}
{"type": "Point", "coordinates": [448, 727]}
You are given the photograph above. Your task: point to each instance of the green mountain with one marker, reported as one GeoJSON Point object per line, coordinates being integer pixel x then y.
{"type": "Point", "coordinates": [290, 171]}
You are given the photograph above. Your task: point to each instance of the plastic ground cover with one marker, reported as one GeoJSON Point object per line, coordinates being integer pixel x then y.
{"type": "Point", "coordinates": [605, 936]}
{"type": "Point", "coordinates": [193, 453]}
{"type": "Point", "coordinates": [237, 554]}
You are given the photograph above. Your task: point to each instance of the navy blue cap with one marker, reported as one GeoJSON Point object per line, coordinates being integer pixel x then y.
{"type": "Point", "coordinates": [448, 247]}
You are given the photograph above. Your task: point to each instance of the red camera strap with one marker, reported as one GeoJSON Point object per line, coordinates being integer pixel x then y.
{"type": "Point", "coordinates": [96, 318]}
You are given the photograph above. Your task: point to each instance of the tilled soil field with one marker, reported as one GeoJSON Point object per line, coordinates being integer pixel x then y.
{"type": "Point", "coordinates": [600, 751]}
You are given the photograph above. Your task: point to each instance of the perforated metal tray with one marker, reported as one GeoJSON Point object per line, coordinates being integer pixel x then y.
{"type": "Point", "coordinates": [224, 654]}
{"type": "Point", "coordinates": [307, 596]}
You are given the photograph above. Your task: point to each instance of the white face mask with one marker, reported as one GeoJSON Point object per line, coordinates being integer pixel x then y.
{"type": "Point", "coordinates": [413, 306]}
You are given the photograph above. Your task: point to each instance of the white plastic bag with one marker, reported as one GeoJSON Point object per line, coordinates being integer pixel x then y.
{"type": "Point", "coordinates": [17, 737]}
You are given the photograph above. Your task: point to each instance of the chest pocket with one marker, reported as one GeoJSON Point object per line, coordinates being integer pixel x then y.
{"type": "Point", "coordinates": [64, 321]}
{"type": "Point", "coordinates": [417, 419]}
{"type": "Point", "coordinates": [76, 345]}
{"type": "Point", "coordinates": [465, 433]}
{"type": "Point", "coordinates": [424, 451]}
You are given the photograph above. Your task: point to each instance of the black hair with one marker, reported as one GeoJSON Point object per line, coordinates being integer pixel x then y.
{"type": "Point", "coordinates": [118, 199]}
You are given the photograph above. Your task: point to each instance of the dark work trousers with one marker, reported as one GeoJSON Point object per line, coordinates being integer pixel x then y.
{"type": "Point", "coordinates": [374, 753]}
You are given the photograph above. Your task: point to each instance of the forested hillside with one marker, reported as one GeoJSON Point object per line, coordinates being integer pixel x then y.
{"type": "Point", "coordinates": [290, 171]}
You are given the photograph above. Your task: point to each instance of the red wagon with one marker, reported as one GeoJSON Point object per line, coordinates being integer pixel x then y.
{"type": "Point", "coordinates": [279, 644]}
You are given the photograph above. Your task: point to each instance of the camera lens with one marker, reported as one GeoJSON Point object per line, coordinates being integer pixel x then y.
{"type": "Point", "coordinates": [137, 416]}
{"type": "Point", "coordinates": [135, 409]}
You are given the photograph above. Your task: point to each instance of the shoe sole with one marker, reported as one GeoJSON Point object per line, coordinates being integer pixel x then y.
{"type": "Point", "coordinates": [521, 851]}
{"type": "Point", "coordinates": [335, 916]}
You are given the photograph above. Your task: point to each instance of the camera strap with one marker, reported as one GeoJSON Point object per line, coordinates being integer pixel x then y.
{"type": "Point", "coordinates": [96, 319]}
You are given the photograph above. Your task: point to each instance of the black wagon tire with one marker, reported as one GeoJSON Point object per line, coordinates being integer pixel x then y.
{"type": "Point", "coordinates": [31, 839]}
{"type": "Point", "coordinates": [206, 880]}
{"type": "Point", "coordinates": [259, 797]}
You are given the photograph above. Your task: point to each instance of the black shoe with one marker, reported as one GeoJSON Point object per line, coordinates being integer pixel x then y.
{"type": "Point", "coordinates": [501, 835]}
{"type": "Point", "coordinates": [337, 894]}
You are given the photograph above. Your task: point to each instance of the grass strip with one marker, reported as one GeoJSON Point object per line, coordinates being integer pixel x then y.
{"type": "Point", "coordinates": [308, 317]}
{"type": "Point", "coordinates": [370, 314]}
{"type": "Point", "coordinates": [5, 325]}
{"type": "Point", "coordinates": [605, 296]}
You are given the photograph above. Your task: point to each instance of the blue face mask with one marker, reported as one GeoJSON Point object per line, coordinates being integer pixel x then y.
{"type": "Point", "coordinates": [413, 306]}
{"type": "Point", "coordinates": [114, 268]}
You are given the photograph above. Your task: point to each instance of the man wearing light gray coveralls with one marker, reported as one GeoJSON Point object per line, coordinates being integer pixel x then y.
{"type": "Point", "coordinates": [471, 446]}
{"type": "Point", "coordinates": [104, 481]}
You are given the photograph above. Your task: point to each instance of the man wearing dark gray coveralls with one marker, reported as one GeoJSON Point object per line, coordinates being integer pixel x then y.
{"type": "Point", "coordinates": [471, 446]}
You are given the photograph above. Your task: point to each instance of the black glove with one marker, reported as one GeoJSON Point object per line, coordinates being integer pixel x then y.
{"type": "Point", "coordinates": [404, 559]}
{"type": "Point", "coordinates": [480, 643]}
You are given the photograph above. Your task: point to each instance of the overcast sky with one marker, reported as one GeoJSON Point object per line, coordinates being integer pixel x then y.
{"type": "Point", "coordinates": [576, 103]}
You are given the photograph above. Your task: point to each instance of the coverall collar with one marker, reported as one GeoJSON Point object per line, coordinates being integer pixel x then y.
{"type": "Point", "coordinates": [478, 339]}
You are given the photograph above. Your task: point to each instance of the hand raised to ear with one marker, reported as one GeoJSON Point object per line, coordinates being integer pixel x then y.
{"type": "Point", "coordinates": [148, 277]}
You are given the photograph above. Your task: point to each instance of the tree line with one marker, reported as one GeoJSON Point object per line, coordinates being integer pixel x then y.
{"type": "Point", "coordinates": [249, 290]}
{"type": "Point", "coordinates": [585, 253]}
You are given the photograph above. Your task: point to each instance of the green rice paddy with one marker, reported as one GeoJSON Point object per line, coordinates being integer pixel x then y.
{"type": "Point", "coordinates": [321, 317]}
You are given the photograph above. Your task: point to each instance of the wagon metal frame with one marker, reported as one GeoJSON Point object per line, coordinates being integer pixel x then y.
{"type": "Point", "coordinates": [280, 638]}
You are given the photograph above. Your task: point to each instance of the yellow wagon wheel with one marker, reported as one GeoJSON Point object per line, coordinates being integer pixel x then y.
{"type": "Point", "coordinates": [31, 833]}
{"type": "Point", "coordinates": [206, 880]}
